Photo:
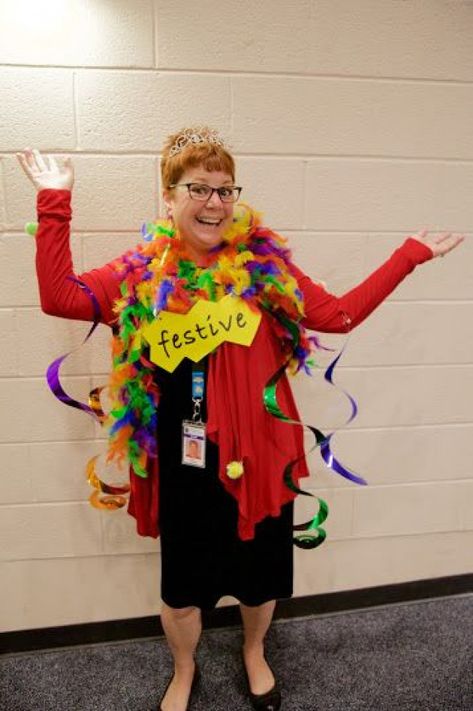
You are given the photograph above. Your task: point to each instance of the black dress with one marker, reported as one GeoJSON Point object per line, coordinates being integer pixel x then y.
{"type": "Point", "coordinates": [201, 554]}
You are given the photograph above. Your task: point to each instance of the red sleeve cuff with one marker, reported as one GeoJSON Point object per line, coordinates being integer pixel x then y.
{"type": "Point", "coordinates": [54, 202]}
{"type": "Point", "coordinates": [416, 251]}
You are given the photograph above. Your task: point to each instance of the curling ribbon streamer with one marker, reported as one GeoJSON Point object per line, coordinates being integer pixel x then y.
{"type": "Point", "coordinates": [308, 540]}
{"type": "Point", "coordinates": [114, 498]}
{"type": "Point", "coordinates": [305, 540]}
{"type": "Point", "coordinates": [325, 451]}
{"type": "Point", "coordinates": [96, 405]}
{"type": "Point", "coordinates": [52, 373]}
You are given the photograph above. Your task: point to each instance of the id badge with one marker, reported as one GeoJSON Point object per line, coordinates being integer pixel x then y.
{"type": "Point", "coordinates": [193, 443]}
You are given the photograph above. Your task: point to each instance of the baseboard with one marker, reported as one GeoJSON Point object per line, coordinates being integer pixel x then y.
{"type": "Point", "coordinates": [143, 627]}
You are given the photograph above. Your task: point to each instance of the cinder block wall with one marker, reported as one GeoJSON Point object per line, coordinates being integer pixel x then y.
{"type": "Point", "coordinates": [351, 123]}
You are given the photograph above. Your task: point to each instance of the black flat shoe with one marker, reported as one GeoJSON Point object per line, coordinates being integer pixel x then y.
{"type": "Point", "coordinates": [195, 681]}
{"type": "Point", "coordinates": [269, 701]}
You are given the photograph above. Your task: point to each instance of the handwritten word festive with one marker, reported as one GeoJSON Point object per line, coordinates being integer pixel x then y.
{"type": "Point", "coordinates": [193, 335]}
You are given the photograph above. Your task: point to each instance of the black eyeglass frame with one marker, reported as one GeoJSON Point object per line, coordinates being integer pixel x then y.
{"type": "Point", "coordinates": [213, 190]}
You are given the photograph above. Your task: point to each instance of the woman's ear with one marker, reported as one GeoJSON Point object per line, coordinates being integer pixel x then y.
{"type": "Point", "coordinates": [167, 204]}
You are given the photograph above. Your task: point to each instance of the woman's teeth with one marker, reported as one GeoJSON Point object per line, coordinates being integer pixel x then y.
{"type": "Point", "coordinates": [204, 221]}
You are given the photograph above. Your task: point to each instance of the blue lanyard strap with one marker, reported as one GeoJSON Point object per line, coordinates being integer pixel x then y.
{"type": "Point", "coordinates": [198, 381]}
{"type": "Point", "coordinates": [198, 388]}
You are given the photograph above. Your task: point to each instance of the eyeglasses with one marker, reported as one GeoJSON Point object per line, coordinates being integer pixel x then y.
{"type": "Point", "coordinates": [202, 192]}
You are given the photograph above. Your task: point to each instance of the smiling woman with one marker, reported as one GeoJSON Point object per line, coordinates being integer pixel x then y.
{"type": "Point", "coordinates": [206, 455]}
{"type": "Point", "coordinates": [199, 191]}
{"type": "Point", "coordinates": [201, 223]}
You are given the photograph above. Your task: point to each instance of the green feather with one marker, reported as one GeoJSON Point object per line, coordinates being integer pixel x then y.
{"type": "Point", "coordinates": [205, 281]}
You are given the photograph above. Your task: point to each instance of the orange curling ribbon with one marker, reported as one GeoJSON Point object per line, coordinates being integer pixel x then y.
{"type": "Point", "coordinates": [113, 498]}
{"type": "Point", "coordinates": [104, 496]}
{"type": "Point", "coordinates": [96, 405]}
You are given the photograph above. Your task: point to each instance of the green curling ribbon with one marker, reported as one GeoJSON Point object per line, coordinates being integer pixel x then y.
{"type": "Point", "coordinates": [305, 540]}
{"type": "Point", "coordinates": [31, 228]}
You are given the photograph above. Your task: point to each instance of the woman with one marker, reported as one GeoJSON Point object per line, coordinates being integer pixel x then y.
{"type": "Point", "coordinates": [225, 524]}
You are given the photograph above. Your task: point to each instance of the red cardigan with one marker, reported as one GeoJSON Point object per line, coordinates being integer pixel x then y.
{"type": "Point", "coordinates": [237, 419]}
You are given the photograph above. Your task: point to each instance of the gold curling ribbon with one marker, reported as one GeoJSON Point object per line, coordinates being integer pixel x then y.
{"type": "Point", "coordinates": [104, 496]}
{"type": "Point", "coordinates": [113, 498]}
{"type": "Point", "coordinates": [96, 405]}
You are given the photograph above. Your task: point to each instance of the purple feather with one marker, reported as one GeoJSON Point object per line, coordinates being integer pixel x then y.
{"type": "Point", "coordinates": [164, 290]}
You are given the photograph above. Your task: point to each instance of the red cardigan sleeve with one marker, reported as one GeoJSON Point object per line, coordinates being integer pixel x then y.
{"type": "Point", "coordinates": [59, 295]}
{"type": "Point", "coordinates": [328, 313]}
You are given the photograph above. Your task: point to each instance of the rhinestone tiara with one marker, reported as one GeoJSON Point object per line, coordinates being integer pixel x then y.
{"type": "Point", "coordinates": [193, 136]}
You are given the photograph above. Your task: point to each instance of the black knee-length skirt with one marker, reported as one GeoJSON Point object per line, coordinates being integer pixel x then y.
{"type": "Point", "coordinates": [202, 557]}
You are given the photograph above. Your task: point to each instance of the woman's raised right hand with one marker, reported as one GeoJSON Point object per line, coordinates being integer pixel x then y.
{"type": "Point", "coordinates": [44, 172]}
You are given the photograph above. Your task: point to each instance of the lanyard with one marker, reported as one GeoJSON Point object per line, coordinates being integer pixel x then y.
{"type": "Point", "coordinates": [193, 431]}
{"type": "Point", "coordinates": [198, 388]}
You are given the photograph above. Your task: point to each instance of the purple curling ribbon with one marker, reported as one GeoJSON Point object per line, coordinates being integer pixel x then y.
{"type": "Point", "coordinates": [322, 440]}
{"type": "Point", "coordinates": [325, 450]}
{"type": "Point", "coordinates": [52, 373]}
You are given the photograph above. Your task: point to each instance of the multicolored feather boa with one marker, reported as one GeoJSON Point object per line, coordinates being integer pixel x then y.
{"type": "Point", "coordinates": [252, 263]}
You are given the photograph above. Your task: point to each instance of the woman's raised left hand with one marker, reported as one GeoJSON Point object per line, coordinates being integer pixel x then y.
{"type": "Point", "coordinates": [440, 245]}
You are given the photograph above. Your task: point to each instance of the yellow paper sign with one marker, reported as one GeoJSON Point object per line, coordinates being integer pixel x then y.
{"type": "Point", "coordinates": [193, 335]}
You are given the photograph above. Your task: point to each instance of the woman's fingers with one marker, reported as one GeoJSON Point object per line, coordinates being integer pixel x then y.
{"type": "Point", "coordinates": [45, 172]}
{"type": "Point", "coordinates": [67, 163]}
{"type": "Point", "coordinates": [450, 242]}
{"type": "Point", "coordinates": [443, 239]}
{"type": "Point", "coordinates": [22, 161]}
{"type": "Point", "coordinates": [445, 243]}
{"type": "Point", "coordinates": [24, 164]}
{"type": "Point", "coordinates": [29, 158]}
{"type": "Point", "coordinates": [52, 164]}
{"type": "Point", "coordinates": [442, 243]}
{"type": "Point", "coordinates": [39, 160]}
{"type": "Point", "coordinates": [28, 163]}
{"type": "Point", "coordinates": [33, 162]}
{"type": "Point", "coordinates": [449, 236]}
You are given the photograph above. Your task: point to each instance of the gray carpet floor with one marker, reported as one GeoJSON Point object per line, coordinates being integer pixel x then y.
{"type": "Point", "coordinates": [409, 657]}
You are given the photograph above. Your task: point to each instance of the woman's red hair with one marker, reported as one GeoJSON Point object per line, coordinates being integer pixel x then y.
{"type": "Point", "coordinates": [210, 155]}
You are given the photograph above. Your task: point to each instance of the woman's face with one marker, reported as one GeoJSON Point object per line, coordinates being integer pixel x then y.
{"type": "Point", "coordinates": [201, 224]}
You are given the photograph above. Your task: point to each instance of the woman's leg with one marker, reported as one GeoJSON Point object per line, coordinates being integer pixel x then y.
{"type": "Point", "coordinates": [182, 628]}
{"type": "Point", "coordinates": [256, 621]}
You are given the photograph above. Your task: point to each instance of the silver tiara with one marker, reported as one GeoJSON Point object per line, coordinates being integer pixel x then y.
{"type": "Point", "coordinates": [191, 136]}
